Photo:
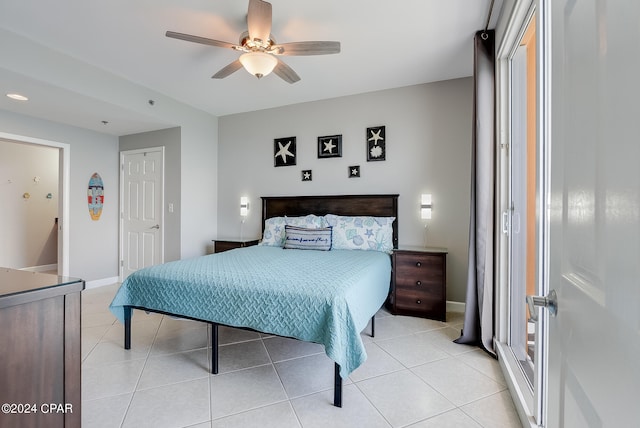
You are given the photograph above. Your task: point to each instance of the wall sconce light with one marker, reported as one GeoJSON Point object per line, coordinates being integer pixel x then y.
{"type": "Point", "coordinates": [244, 206]}
{"type": "Point", "coordinates": [425, 207]}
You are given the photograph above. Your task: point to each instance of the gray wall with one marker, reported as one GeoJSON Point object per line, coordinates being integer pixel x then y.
{"type": "Point", "coordinates": [170, 140]}
{"type": "Point", "coordinates": [29, 235]}
{"type": "Point", "coordinates": [428, 129]}
{"type": "Point", "coordinates": [199, 183]}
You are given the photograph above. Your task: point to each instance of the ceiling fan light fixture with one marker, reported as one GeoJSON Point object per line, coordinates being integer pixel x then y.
{"type": "Point", "coordinates": [258, 63]}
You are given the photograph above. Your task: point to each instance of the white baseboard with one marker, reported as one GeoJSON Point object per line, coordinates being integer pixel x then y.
{"type": "Point", "coordinates": [42, 268]}
{"type": "Point", "coordinates": [100, 282]}
{"type": "Point", "coordinates": [455, 306]}
{"type": "Point", "coordinates": [87, 285]}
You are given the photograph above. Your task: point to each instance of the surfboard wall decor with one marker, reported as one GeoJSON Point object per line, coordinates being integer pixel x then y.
{"type": "Point", "coordinates": [95, 196]}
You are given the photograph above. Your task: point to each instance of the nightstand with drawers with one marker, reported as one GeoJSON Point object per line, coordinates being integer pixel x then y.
{"type": "Point", "coordinates": [419, 282]}
{"type": "Point", "coordinates": [220, 245]}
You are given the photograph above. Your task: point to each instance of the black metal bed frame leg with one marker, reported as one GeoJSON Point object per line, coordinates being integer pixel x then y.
{"type": "Point", "coordinates": [337, 386]}
{"type": "Point", "coordinates": [373, 326]}
{"type": "Point", "coordinates": [214, 348]}
{"type": "Point", "coordinates": [127, 327]}
{"type": "Point", "coordinates": [337, 379]}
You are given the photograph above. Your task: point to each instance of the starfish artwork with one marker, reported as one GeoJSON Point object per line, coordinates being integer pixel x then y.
{"type": "Point", "coordinates": [306, 175]}
{"type": "Point", "coordinates": [375, 136]}
{"type": "Point", "coordinates": [330, 146]}
{"type": "Point", "coordinates": [376, 144]}
{"type": "Point", "coordinates": [284, 151]}
{"type": "Point", "coordinates": [354, 171]}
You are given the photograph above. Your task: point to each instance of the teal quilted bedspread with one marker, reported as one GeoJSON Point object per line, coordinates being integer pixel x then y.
{"type": "Point", "coordinates": [325, 297]}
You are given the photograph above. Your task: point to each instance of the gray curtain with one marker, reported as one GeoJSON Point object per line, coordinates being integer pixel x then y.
{"type": "Point", "coordinates": [479, 312]}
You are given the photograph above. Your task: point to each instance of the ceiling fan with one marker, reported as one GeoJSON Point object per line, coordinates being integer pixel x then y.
{"type": "Point", "coordinates": [260, 50]}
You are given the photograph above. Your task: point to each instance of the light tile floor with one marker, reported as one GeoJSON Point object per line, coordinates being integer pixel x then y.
{"type": "Point", "coordinates": [415, 376]}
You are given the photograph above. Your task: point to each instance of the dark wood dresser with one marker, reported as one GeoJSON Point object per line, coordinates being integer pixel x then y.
{"type": "Point", "coordinates": [229, 244]}
{"type": "Point", "coordinates": [419, 282]}
{"type": "Point", "coordinates": [40, 355]}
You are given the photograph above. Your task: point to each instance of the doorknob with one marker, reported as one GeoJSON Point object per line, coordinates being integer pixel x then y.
{"type": "Point", "coordinates": [157, 226]}
{"type": "Point", "coordinates": [550, 302]}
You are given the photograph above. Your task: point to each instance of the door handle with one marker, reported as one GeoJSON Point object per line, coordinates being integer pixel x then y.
{"type": "Point", "coordinates": [505, 222]}
{"type": "Point", "coordinates": [550, 302]}
{"type": "Point", "coordinates": [157, 226]}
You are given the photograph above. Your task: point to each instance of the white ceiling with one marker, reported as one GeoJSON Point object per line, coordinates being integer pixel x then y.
{"type": "Point", "coordinates": [385, 44]}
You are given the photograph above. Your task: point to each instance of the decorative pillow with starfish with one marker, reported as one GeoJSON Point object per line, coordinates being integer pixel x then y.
{"type": "Point", "coordinates": [361, 232]}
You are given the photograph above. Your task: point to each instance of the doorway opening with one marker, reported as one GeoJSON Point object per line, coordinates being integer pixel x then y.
{"type": "Point", "coordinates": [55, 244]}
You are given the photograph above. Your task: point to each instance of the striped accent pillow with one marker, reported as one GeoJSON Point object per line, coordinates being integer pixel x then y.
{"type": "Point", "coordinates": [300, 238]}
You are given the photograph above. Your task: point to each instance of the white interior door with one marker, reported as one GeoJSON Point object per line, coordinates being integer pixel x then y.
{"type": "Point", "coordinates": [141, 216]}
{"type": "Point", "coordinates": [594, 212]}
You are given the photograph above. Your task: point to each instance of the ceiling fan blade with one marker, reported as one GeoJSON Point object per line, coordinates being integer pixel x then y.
{"type": "Point", "coordinates": [259, 20]}
{"type": "Point", "coordinates": [229, 69]}
{"type": "Point", "coordinates": [307, 48]}
{"type": "Point", "coordinates": [286, 73]}
{"type": "Point", "coordinates": [198, 39]}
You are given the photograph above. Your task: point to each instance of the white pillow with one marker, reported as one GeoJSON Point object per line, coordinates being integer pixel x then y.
{"type": "Point", "coordinates": [302, 238]}
{"type": "Point", "coordinates": [361, 232]}
{"type": "Point", "coordinates": [274, 228]}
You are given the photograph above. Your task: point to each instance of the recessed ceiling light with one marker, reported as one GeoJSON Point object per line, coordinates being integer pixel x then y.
{"type": "Point", "coordinates": [17, 97]}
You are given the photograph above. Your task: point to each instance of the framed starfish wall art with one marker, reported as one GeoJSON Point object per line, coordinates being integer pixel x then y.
{"type": "Point", "coordinates": [330, 146]}
{"type": "Point", "coordinates": [376, 144]}
{"type": "Point", "coordinates": [307, 175]}
{"type": "Point", "coordinates": [284, 151]}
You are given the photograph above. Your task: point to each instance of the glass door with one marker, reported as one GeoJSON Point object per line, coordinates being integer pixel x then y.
{"type": "Point", "coordinates": [521, 216]}
{"type": "Point", "coordinates": [521, 342]}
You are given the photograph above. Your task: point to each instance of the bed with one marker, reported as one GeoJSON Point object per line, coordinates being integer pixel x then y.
{"type": "Point", "coordinates": [325, 297]}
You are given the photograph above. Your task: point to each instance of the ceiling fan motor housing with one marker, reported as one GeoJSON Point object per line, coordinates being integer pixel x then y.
{"type": "Point", "coordinates": [247, 44]}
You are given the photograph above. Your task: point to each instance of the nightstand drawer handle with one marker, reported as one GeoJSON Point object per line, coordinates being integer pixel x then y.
{"type": "Point", "coordinates": [418, 264]}
{"type": "Point", "coordinates": [418, 282]}
{"type": "Point", "coordinates": [418, 301]}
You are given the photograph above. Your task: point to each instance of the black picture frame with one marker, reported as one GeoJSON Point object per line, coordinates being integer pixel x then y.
{"type": "Point", "coordinates": [330, 146]}
{"type": "Point", "coordinates": [376, 144]}
{"type": "Point", "coordinates": [284, 151]}
{"type": "Point", "coordinates": [354, 171]}
{"type": "Point", "coordinates": [307, 175]}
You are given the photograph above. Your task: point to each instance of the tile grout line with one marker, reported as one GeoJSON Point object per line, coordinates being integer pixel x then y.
{"type": "Point", "coordinates": [135, 388]}
{"type": "Point", "coordinates": [458, 357]}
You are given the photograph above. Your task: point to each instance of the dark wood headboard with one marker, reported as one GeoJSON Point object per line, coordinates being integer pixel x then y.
{"type": "Point", "coordinates": [351, 205]}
